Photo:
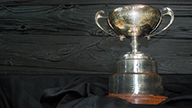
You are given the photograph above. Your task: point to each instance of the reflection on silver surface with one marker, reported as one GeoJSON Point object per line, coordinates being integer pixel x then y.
{"type": "Point", "coordinates": [135, 20]}
{"type": "Point", "coordinates": [136, 84]}
{"type": "Point", "coordinates": [136, 63]}
{"type": "Point", "coordinates": [135, 72]}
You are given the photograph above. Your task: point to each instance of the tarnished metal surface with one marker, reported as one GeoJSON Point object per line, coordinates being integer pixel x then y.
{"type": "Point", "coordinates": [134, 20]}
{"type": "Point", "coordinates": [136, 63]}
{"type": "Point", "coordinates": [136, 72]}
{"type": "Point", "coordinates": [136, 84]}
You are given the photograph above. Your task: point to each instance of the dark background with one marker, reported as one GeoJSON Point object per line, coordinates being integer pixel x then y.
{"type": "Point", "coordinates": [60, 36]}
{"type": "Point", "coordinates": [53, 54]}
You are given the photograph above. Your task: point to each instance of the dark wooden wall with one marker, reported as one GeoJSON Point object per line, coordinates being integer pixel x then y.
{"type": "Point", "coordinates": [60, 36]}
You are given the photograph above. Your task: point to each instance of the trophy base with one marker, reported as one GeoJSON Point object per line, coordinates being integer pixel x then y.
{"type": "Point", "coordinates": [141, 98]}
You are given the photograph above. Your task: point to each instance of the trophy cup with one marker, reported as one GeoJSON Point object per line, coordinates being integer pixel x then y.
{"type": "Point", "coordinates": [136, 78]}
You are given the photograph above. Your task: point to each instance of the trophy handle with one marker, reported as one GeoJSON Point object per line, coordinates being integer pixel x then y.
{"type": "Point", "coordinates": [171, 14]}
{"type": "Point", "coordinates": [98, 16]}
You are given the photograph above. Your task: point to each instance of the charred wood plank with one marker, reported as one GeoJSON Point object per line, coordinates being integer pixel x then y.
{"type": "Point", "coordinates": [96, 54]}
{"type": "Point", "coordinates": [56, 20]}
{"type": "Point", "coordinates": [51, 2]}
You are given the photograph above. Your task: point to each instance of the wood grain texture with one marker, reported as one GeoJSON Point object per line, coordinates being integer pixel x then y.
{"type": "Point", "coordinates": [62, 20]}
{"type": "Point", "coordinates": [65, 39]}
{"type": "Point", "coordinates": [37, 2]}
{"type": "Point", "coordinates": [97, 55]}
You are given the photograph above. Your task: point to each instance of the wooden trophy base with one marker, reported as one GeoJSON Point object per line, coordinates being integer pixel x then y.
{"type": "Point", "coordinates": [140, 98]}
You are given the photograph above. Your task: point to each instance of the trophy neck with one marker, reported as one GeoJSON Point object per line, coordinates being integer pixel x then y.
{"type": "Point", "coordinates": [135, 44]}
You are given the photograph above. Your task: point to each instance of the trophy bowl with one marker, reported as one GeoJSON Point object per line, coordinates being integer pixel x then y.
{"type": "Point", "coordinates": [136, 78]}
{"type": "Point", "coordinates": [134, 20]}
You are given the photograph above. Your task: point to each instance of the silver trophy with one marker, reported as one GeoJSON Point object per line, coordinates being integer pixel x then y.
{"type": "Point", "coordinates": [136, 78]}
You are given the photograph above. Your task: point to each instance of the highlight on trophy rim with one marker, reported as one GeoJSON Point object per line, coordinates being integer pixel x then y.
{"type": "Point", "coordinates": [136, 78]}
{"type": "Point", "coordinates": [135, 20]}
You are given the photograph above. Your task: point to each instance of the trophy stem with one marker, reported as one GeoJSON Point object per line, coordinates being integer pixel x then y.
{"type": "Point", "coordinates": [136, 78]}
{"type": "Point", "coordinates": [134, 44]}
